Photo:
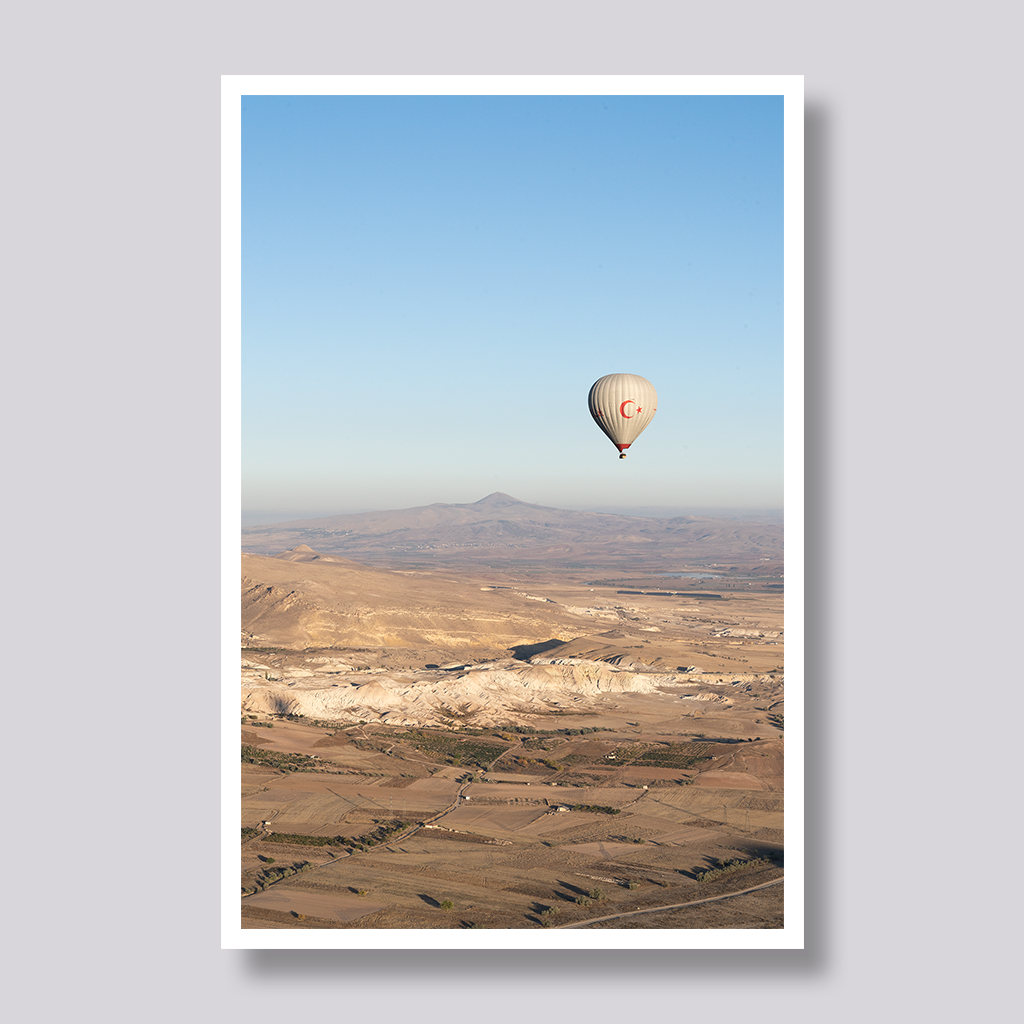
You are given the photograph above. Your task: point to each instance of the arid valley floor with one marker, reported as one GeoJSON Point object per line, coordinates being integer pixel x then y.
{"type": "Point", "coordinates": [501, 743]}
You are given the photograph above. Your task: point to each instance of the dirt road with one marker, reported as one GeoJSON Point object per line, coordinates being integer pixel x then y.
{"type": "Point", "coordinates": [670, 906]}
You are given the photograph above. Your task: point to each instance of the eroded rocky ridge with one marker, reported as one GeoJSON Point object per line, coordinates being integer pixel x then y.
{"type": "Point", "coordinates": [497, 694]}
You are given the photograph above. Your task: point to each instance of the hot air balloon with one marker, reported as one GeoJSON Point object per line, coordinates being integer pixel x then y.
{"type": "Point", "coordinates": [622, 405]}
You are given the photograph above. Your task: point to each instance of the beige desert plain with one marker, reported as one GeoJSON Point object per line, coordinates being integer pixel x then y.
{"type": "Point", "coordinates": [536, 732]}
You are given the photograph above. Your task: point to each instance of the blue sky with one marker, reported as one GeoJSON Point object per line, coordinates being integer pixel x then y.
{"type": "Point", "coordinates": [430, 285]}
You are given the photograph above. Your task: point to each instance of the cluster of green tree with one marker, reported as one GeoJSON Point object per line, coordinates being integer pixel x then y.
{"type": "Point", "coordinates": [595, 808]}
{"type": "Point", "coordinates": [574, 760]}
{"type": "Point", "coordinates": [529, 730]}
{"type": "Point", "coordinates": [277, 759]}
{"type": "Point", "coordinates": [295, 839]}
{"type": "Point", "coordinates": [674, 755]}
{"type": "Point", "coordinates": [523, 730]}
{"type": "Point", "coordinates": [540, 742]}
{"type": "Point", "coordinates": [379, 835]}
{"type": "Point", "coordinates": [271, 875]}
{"type": "Point", "coordinates": [590, 898]}
{"type": "Point", "coordinates": [547, 916]}
{"type": "Point", "coordinates": [454, 750]}
{"type": "Point", "coordinates": [729, 867]}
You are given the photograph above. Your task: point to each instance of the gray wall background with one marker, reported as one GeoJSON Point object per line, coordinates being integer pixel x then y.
{"type": "Point", "coordinates": [112, 509]}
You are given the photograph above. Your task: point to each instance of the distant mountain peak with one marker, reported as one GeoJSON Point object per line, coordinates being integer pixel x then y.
{"type": "Point", "coordinates": [501, 529]}
{"type": "Point", "coordinates": [499, 498]}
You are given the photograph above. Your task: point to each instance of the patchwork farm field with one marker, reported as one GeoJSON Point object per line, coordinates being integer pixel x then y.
{"type": "Point", "coordinates": [631, 778]}
{"type": "Point", "coordinates": [487, 851]}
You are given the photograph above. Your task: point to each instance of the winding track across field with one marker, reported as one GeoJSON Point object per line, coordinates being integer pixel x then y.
{"type": "Point", "coordinates": [671, 906]}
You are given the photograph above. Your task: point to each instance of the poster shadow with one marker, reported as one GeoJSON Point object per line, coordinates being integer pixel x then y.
{"type": "Point", "coordinates": [262, 965]}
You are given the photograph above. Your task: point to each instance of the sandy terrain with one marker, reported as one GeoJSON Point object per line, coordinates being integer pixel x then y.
{"type": "Point", "coordinates": [761, 909]}
{"type": "Point", "coordinates": [506, 745]}
{"type": "Point", "coordinates": [323, 905]}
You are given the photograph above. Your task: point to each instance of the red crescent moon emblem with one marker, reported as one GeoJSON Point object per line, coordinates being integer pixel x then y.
{"type": "Point", "coordinates": [622, 409]}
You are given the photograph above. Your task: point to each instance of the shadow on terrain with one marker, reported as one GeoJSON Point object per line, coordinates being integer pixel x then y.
{"type": "Point", "coordinates": [707, 864]}
{"type": "Point", "coordinates": [429, 900]}
{"type": "Point", "coordinates": [578, 890]}
{"type": "Point", "coordinates": [523, 652]}
{"type": "Point", "coordinates": [751, 852]}
{"type": "Point", "coordinates": [775, 853]}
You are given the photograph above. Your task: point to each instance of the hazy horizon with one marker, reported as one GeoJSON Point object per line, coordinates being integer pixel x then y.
{"type": "Point", "coordinates": [261, 517]}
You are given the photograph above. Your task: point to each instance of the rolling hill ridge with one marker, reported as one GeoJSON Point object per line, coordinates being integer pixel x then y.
{"type": "Point", "coordinates": [500, 528]}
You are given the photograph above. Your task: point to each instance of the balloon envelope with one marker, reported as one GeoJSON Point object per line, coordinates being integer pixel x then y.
{"type": "Point", "coordinates": [622, 405]}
